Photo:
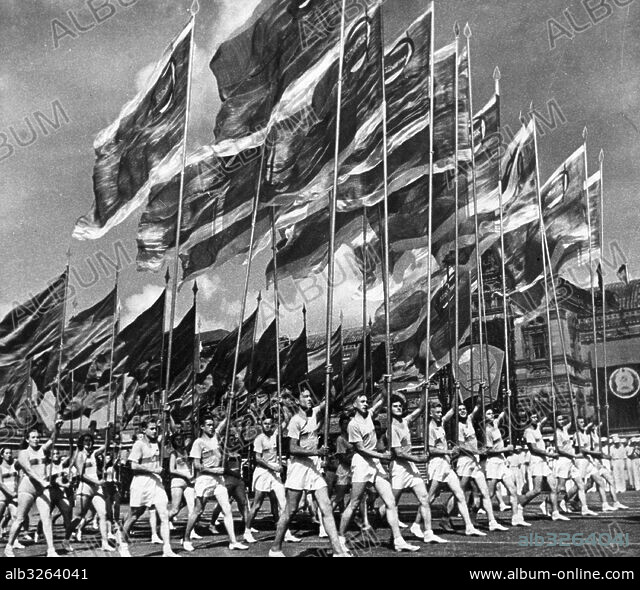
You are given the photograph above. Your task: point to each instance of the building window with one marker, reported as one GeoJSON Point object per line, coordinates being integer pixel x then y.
{"type": "Point", "coordinates": [538, 346]}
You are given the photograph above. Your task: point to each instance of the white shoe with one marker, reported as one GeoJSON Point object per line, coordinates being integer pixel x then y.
{"type": "Point", "coordinates": [168, 552]}
{"type": "Point", "coordinates": [18, 545]}
{"type": "Point", "coordinates": [155, 540]}
{"type": "Point", "coordinates": [496, 526]}
{"type": "Point", "coordinates": [474, 532]}
{"type": "Point", "coordinates": [519, 521]}
{"type": "Point", "coordinates": [505, 508]}
{"type": "Point", "coordinates": [8, 551]}
{"type": "Point", "coordinates": [558, 516]}
{"type": "Point", "coordinates": [194, 536]}
{"type": "Point", "coordinates": [608, 508]}
{"type": "Point", "coordinates": [67, 546]}
{"type": "Point", "coordinates": [187, 546]}
{"type": "Point", "coordinates": [543, 509]}
{"type": "Point", "coordinates": [238, 546]}
{"type": "Point", "coordinates": [254, 530]}
{"type": "Point", "coordinates": [172, 527]}
{"type": "Point", "coordinates": [249, 538]}
{"type": "Point", "coordinates": [123, 550]}
{"type": "Point", "coordinates": [416, 531]}
{"type": "Point", "coordinates": [563, 506]}
{"type": "Point", "coordinates": [28, 538]}
{"type": "Point", "coordinates": [621, 506]}
{"type": "Point", "coordinates": [273, 553]}
{"type": "Point", "coordinates": [289, 537]}
{"type": "Point", "coordinates": [481, 511]}
{"type": "Point", "coordinates": [431, 537]}
{"type": "Point", "coordinates": [106, 547]}
{"type": "Point", "coordinates": [79, 535]}
{"type": "Point", "coordinates": [401, 545]}
{"type": "Point", "coordinates": [52, 553]}
{"type": "Point", "coordinates": [402, 525]}
{"type": "Point", "coordinates": [587, 512]}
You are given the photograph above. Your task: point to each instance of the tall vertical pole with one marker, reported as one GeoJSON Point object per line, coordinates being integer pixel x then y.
{"type": "Point", "coordinates": [276, 302]}
{"type": "Point", "coordinates": [430, 219]}
{"type": "Point", "coordinates": [114, 333]}
{"type": "Point", "coordinates": [604, 306]}
{"type": "Point", "coordinates": [505, 301]}
{"type": "Point", "coordinates": [151, 402]}
{"type": "Point", "coordinates": [332, 229]}
{"type": "Point", "coordinates": [196, 360]}
{"type": "Point", "coordinates": [592, 281]}
{"type": "Point", "coordinates": [546, 279]}
{"type": "Point", "coordinates": [456, 344]}
{"type": "Point", "coordinates": [176, 264]}
{"type": "Point", "coordinates": [364, 301]}
{"type": "Point", "coordinates": [481, 389]}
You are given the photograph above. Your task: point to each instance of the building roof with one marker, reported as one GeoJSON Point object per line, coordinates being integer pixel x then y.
{"type": "Point", "coordinates": [628, 296]}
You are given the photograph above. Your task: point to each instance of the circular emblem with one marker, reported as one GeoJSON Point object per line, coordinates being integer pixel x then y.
{"type": "Point", "coordinates": [624, 382]}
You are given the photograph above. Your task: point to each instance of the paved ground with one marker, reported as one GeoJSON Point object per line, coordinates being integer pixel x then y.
{"type": "Point", "coordinates": [378, 545]}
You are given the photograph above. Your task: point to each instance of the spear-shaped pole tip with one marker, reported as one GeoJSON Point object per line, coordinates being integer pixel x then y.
{"type": "Point", "coordinates": [456, 29]}
{"type": "Point", "coordinates": [195, 287]}
{"type": "Point", "coordinates": [601, 155]}
{"type": "Point", "coordinates": [259, 296]}
{"type": "Point", "coordinates": [167, 277]}
{"type": "Point", "coordinates": [496, 73]}
{"type": "Point", "coordinates": [195, 8]}
{"type": "Point", "coordinates": [585, 133]}
{"type": "Point", "coordinates": [467, 31]}
{"type": "Point", "coordinates": [531, 107]}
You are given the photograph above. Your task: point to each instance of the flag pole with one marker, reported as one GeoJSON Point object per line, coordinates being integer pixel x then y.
{"type": "Point", "coordinates": [480, 282]}
{"type": "Point", "coordinates": [60, 353]}
{"type": "Point", "coordinates": [151, 403]}
{"type": "Point", "coordinates": [276, 300]}
{"type": "Point", "coordinates": [364, 301]}
{"type": "Point", "coordinates": [505, 302]}
{"type": "Point", "coordinates": [332, 230]}
{"type": "Point", "coordinates": [546, 280]}
{"type": "Point", "coordinates": [385, 276]}
{"type": "Point", "coordinates": [456, 344]}
{"type": "Point", "coordinates": [176, 263]}
{"type": "Point", "coordinates": [430, 219]}
{"type": "Point", "coordinates": [585, 135]}
{"type": "Point", "coordinates": [604, 306]}
{"type": "Point", "coordinates": [114, 333]}
{"type": "Point", "coordinates": [196, 360]}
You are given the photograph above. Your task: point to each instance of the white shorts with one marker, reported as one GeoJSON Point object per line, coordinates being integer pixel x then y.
{"type": "Point", "coordinates": [438, 470]}
{"type": "Point", "coordinates": [404, 476]}
{"type": "Point", "coordinates": [496, 468]}
{"type": "Point", "coordinates": [586, 468]}
{"type": "Point", "coordinates": [266, 481]}
{"type": "Point", "coordinates": [540, 469]}
{"type": "Point", "coordinates": [305, 474]}
{"type": "Point", "coordinates": [366, 470]}
{"type": "Point", "coordinates": [565, 468]}
{"type": "Point", "coordinates": [205, 485]}
{"type": "Point", "coordinates": [466, 466]}
{"type": "Point", "coordinates": [147, 491]}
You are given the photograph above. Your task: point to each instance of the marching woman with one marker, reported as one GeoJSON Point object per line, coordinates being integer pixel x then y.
{"type": "Point", "coordinates": [8, 487]}
{"type": "Point", "coordinates": [182, 478]}
{"type": "Point", "coordinates": [90, 490]}
{"type": "Point", "coordinates": [34, 488]}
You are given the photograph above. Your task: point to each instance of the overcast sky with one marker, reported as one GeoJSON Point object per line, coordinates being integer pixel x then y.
{"type": "Point", "coordinates": [594, 79]}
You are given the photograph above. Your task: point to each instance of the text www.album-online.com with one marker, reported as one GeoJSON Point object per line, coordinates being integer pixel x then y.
{"type": "Point", "coordinates": [574, 574]}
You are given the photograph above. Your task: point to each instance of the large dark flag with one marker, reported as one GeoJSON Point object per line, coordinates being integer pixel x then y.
{"type": "Point", "coordinates": [15, 388]}
{"type": "Point", "coordinates": [355, 378]}
{"type": "Point", "coordinates": [31, 328]}
{"type": "Point", "coordinates": [262, 366]}
{"type": "Point", "coordinates": [149, 129]}
{"type": "Point", "coordinates": [316, 359]}
{"type": "Point", "coordinates": [295, 361]}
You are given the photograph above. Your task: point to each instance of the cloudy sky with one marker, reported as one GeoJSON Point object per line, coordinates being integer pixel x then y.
{"type": "Point", "coordinates": [93, 68]}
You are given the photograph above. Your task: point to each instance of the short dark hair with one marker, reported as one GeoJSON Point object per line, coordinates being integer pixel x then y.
{"type": "Point", "coordinates": [204, 418]}
{"type": "Point", "coordinates": [144, 424]}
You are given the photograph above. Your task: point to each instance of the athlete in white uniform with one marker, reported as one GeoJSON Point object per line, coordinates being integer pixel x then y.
{"type": "Point", "coordinates": [34, 487]}
{"type": "Point", "coordinates": [366, 468]}
{"type": "Point", "coordinates": [496, 465]}
{"type": "Point", "coordinates": [209, 483]}
{"type": "Point", "coordinates": [90, 489]}
{"type": "Point", "coordinates": [565, 467]}
{"type": "Point", "coordinates": [468, 464]}
{"type": "Point", "coordinates": [182, 478]}
{"type": "Point", "coordinates": [304, 473]}
{"type": "Point", "coordinates": [146, 487]}
{"type": "Point", "coordinates": [404, 473]}
{"type": "Point", "coordinates": [540, 470]}
{"type": "Point", "coordinates": [8, 488]}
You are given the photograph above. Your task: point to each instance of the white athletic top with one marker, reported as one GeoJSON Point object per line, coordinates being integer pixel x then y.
{"type": "Point", "coordinates": [362, 430]}
{"type": "Point", "coordinates": [534, 437]}
{"type": "Point", "coordinates": [267, 446]}
{"type": "Point", "coordinates": [494, 440]}
{"type": "Point", "coordinates": [207, 450]}
{"type": "Point", "coordinates": [467, 436]}
{"type": "Point", "coordinates": [305, 429]}
{"type": "Point", "coordinates": [147, 454]}
{"type": "Point", "coordinates": [438, 439]}
{"type": "Point", "coordinates": [9, 476]}
{"type": "Point", "coordinates": [565, 441]}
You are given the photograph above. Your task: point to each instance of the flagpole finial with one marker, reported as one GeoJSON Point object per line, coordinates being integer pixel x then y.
{"type": "Point", "coordinates": [496, 73]}
{"type": "Point", "coordinates": [531, 107]}
{"type": "Point", "coordinates": [259, 296]}
{"type": "Point", "coordinates": [585, 133]}
{"type": "Point", "coordinates": [167, 277]}
{"type": "Point", "coordinates": [456, 29]}
{"type": "Point", "coordinates": [195, 288]}
{"type": "Point", "coordinates": [304, 310]}
{"type": "Point", "coordinates": [195, 8]}
{"type": "Point", "coordinates": [601, 156]}
{"type": "Point", "coordinates": [467, 31]}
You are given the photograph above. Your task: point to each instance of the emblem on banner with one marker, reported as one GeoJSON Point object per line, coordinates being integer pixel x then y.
{"type": "Point", "coordinates": [624, 382]}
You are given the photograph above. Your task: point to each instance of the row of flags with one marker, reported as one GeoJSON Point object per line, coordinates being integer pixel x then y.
{"type": "Point", "coordinates": [277, 137]}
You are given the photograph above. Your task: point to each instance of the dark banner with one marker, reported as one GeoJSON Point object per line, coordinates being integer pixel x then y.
{"type": "Point", "coordinates": [622, 384]}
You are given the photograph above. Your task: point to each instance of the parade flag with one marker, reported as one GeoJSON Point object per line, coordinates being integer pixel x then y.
{"type": "Point", "coordinates": [354, 374]}
{"type": "Point", "coordinates": [317, 363]}
{"type": "Point", "coordinates": [15, 388]}
{"type": "Point", "coordinates": [149, 129]}
{"type": "Point", "coordinates": [623, 274]}
{"type": "Point", "coordinates": [263, 360]}
{"type": "Point", "coordinates": [295, 361]}
{"type": "Point", "coordinates": [28, 328]}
